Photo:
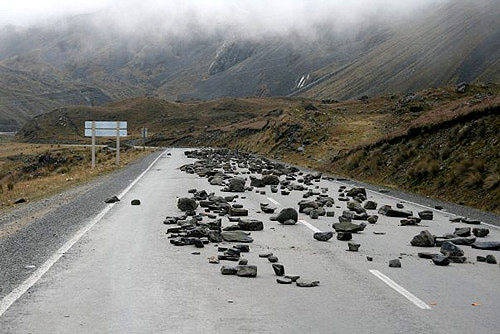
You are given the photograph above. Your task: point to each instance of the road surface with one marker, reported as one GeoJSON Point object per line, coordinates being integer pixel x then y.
{"type": "Point", "coordinates": [119, 274]}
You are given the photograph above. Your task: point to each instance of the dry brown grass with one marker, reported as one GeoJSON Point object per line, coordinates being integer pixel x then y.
{"type": "Point", "coordinates": [49, 180]}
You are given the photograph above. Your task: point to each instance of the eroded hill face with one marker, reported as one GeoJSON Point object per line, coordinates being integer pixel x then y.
{"type": "Point", "coordinates": [79, 63]}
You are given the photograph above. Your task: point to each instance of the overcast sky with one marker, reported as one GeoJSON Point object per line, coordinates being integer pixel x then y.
{"type": "Point", "coordinates": [257, 16]}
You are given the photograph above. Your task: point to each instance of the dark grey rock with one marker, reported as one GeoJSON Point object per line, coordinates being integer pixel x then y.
{"type": "Point", "coordinates": [349, 227]}
{"type": "Point", "coordinates": [426, 255]}
{"type": "Point", "coordinates": [440, 260]}
{"type": "Point", "coordinates": [251, 225]}
{"type": "Point", "coordinates": [423, 239]}
{"type": "Point", "coordinates": [323, 236]}
{"type": "Point", "coordinates": [284, 280]}
{"type": "Point", "coordinates": [491, 259]}
{"type": "Point", "coordinates": [243, 262]}
{"type": "Point", "coordinates": [480, 232]}
{"type": "Point", "coordinates": [272, 258]}
{"type": "Point", "coordinates": [257, 183]}
{"type": "Point", "coordinates": [462, 231]}
{"type": "Point", "coordinates": [451, 250]}
{"type": "Point", "coordinates": [135, 202]}
{"type": "Point", "coordinates": [238, 212]}
{"type": "Point", "coordinates": [236, 236]}
{"type": "Point", "coordinates": [480, 258]}
{"type": "Point", "coordinates": [370, 205]}
{"type": "Point", "coordinates": [467, 241]}
{"type": "Point", "coordinates": [246, 271]}
{"type": "Point", "coordinates": [353, 247]}
{"type": "Point", "coordinates": [186, 204]}
{"type": "Point", "coordinates": [287, 214]}
{"type": "Point", "coordinates": [112, 199]}
{"type": "Point", "coordinates": [396, 263]}
{"type": "Point", "coordinates": [279, 269]}
{"type": "Point", "coordinates": [306, 283]}
{"type": "Point", "coordinates": [372, 219]}
{"type": "Point", "coordinates": [344, 236]}
{"type": "Point", "coordinates": [271, 180]}
{"type": "Point", "coordinates": [237, 184]}
{"type": "Point", "coordinates": [388, 211]}
{"type": "Point", "coordinates": [227, 270]}
{"type": "Point", "coordinates": [487, 245]}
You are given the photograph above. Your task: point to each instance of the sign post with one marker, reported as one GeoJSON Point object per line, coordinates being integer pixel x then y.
{"type": "Point", "coordinates": [144, 132]}
{"type": "Point", "coordinates": [106, 129]}
{"type": "Point", "coordinates": [93, 144]}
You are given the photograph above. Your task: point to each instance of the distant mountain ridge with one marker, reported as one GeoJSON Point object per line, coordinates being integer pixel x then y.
{"type": "Point", "coordinates": [79, 63]}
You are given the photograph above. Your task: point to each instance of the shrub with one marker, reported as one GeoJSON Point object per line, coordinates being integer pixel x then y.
{"type": "Point", "coordinates": [424, 169]}
{"type": "Point", "coordinates": [10, 186]}
{"type": "Point", "coordinates": [473, 179]}
{"type": "Point", "coordinates": [492, 181]}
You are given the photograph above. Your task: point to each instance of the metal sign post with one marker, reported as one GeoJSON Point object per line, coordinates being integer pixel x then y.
{"type": "Point", "coordinates": [93, 144]}
{"type": "Point", "coordinates": [105, 129]}
{"type": "Point", "coordinates": [144, 132]}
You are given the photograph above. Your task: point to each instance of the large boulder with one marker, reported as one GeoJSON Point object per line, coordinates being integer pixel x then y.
{"type": "Point", "coordinates": [287, 214]}
{"type": "Point", "coordinates": [187, 204]}
{"type": "Point", "coordinates": [257, 183]}
{"type": "Point", "coordinates": [423, 239]}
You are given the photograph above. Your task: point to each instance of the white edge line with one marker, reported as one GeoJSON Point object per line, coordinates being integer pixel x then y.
{"type": "Point", "coordinates": [309, 226]}
{"type": "Point", "coordinates": [20, 290]}
{"type": "Point", "coordinates": [408, 295]}
{"type": "Point", "coordinates": [414, 203]}
{"type": "Point", "coordinates": [275, 202]}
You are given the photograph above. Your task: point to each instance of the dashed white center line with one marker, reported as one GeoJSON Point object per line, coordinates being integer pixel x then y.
{"type": "Point", "coordinates": [309, 226]}
{"type": "Point", "coordinates": [275, 202]}
{"type": "Point", "coordinates": [408, 295]}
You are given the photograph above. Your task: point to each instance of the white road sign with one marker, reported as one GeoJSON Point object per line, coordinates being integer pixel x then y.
{"type": "Point", "coordinates": [105, 129]}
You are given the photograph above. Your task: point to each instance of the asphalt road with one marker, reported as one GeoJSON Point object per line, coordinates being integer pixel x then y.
{"type": "Point", "coordinates": [120, 274]}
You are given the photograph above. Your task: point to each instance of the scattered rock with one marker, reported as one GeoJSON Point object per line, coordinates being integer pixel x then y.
{"type": "Point", "coordinates": [451, 250]}
{"type": "Point", "coordinates": [491, 259]}
{"type": "Point", "coordinates": [246, 271]}
{"type": "Point", "coordinates": [388, 211]}
{"type": "Point", "coordinates": [487, 245]}
{"type": "Point", "coordinates": [349, 227]}
{"type": "Point", "coordinates": [112, 199]}
{"type": "Point", "coordinates": [480, 232]}
{"type": "Point", "coordinates": [135, 202]}
{"type": "Point", "coordinates": [353, 247]}
{"type": "Point", "coordinates": [426, 215]}
{"type": "Point", "coordinates": [423, 239]}
{"type": "Point", "coordinates": [372, 219]}
{"type": "Point", "coordinates": [236, 236]}
{"type": "Point", "coordinates": [284, 280]}
{"type": "Point", "coordinates": [306, 283]}
{"type": "Point", "coordinates": [187, 204]}
{"type": "Point", "coordinates": [226, 270]}
{"type": "Point", "coordinates": [440, 260]}
{"type": "Point", "coordinates": [272, 258]}
{"type": "Point", "coordinates": [426, 255]}
{"type": "Point", "coordinates": [279, 269]}
{"type": "Point", "coordinates": [323, 236]}
{"type": "Point", "coordinates": [396, 263]}
{"type": "Point", "coordinates": [237, 184]}
{"type": "Point", "coordinates": [344, 236]}
{"type": "Point", "coordinates": [462, 231]}
{"type": "Point", "coordinates": [287, 214]}
{"type": "Point", "coordinates": [370, 205]}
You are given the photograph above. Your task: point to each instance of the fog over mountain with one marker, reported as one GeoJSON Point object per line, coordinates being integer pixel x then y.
{"type": "Point", "coordinates": [55, 53]}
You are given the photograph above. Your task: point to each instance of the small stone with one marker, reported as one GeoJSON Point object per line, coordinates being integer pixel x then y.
{"type": "Point", "coordinates": [135, 202]}
{"type": "Point", "coordinates": [265, 255]}
{"type": "Point", "coordinates": [186, 204]}
{"type": "Point", "coordinates": [226, 270]}
{"type": "Point", "coordinates": [396, 263]}
{"type": "Point", "coordinates": [243, 262]}
{"type": "Point", "coordinates": [440, 260]}
{"type": "Point", "coordinates": [462, 231]}
{"type": "Point", "coordinates": [20, 200]}
{"type": "Point", "coordinates": [491, 259]}
{"type": "Point", "coordinates": [287, 214]}
{"type": "Point", "coordinates": [370, 205]}
{"type": "Point", "coordinates": [323, 236]}
{"type": "Point", "coordinates": [480, 232]}
{"type": "Point", "coordinates": [344, 236]}
{"type": "Point", "coordinates": [330, 213]}
{"type": "Point", "coordinates": [372, 219]}
{"type": "Point", "coordinates": [196, 253]}
{"type": "Point", "coordinates": [272, 259]}
{"type": "Point", "coordinates": [279, 269]}
{"type": "Point", "coordinates": [294, 278]}
{"type": "Point", "coordinates": [306, 283]}
{"type": "Point", "coordinates": [112, 199]}
{"type": "Point", "coordinates": [369, 258]}
{"type": "Point", "coordinates": [480, 258]}
{"type": "Point", "coordinates": [243, 248]}
{"type": "Point", "coordinates": [451, 250]}
{"type": "Point", "coordinates": [246, 271]}
{"type": "Point", "coordinates": [284, 280]}
{"type": "Point", "coordinates": [353, 247]}
{"type": "Point", "coordinates": [399, 205]}
{"type": "Point", "coordinates": [426, 215]}
{"type": "Point", "coordinates": [426, 255]}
